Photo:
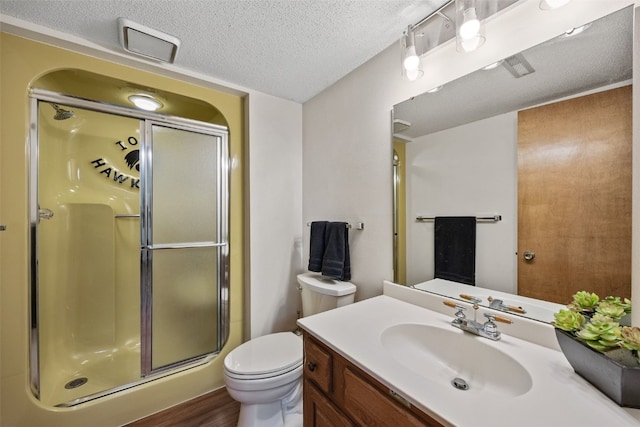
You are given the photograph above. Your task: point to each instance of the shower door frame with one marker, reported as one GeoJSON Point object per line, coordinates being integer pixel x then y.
{"type": "Point", "coordinates": [147, 121]}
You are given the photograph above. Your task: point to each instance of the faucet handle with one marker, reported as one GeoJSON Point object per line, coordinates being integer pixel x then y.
{"type": "Point", "coordinates": [453, 305]}
{"type": "Point", "coordinates": [498, 304]}
{"type": "Point", "coordinates": [498, 318]}
{"type": "Point", "coordinates": [490, 328]}
{"type": "Point", "coordinates": [471, 298]}
{"type": "Point", "coordinates": [460, 316]}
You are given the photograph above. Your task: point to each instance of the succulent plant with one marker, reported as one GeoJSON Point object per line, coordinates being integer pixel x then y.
{"type": "Point", "coordinates": [601, 333]}
{"type": "Point", "coordinates": [625, 304]}
{"type": "Point", "coordinates": [610, 309]}
{"type": "Point", "coordinates": [584, 300]}
{"type": "Point", "coordinates": [568, 320]}
{"type": "Point", "coordinates": [630, 338]}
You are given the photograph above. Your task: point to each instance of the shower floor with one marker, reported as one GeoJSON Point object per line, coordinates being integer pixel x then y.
{"type": "Point", "coordinates": [105, 372]}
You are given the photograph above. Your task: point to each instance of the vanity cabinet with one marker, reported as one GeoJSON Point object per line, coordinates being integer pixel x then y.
{"type": "Point", "coordinates": [337, 393]}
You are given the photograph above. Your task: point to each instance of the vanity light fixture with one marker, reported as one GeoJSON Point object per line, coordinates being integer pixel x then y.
{"type": "Point", "coordinates": [145, 102]}
{"type": "Point", "coordinates": [410, 59]}
{"type": "Point", "coordinates": [439, 27]}
{"type": "Point", "coordinates": [470, 33]}
{"type": "Point", "coordinates": [552, 4]}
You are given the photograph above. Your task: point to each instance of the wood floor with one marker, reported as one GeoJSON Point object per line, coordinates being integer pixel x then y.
{"type": "Point", "coordinates": [215, 409]}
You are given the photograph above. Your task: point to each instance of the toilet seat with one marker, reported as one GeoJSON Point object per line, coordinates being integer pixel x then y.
{"type": "Point", "coordinates": [265, 357]}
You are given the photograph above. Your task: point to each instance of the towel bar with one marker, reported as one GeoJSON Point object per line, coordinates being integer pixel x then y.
{"type": "Point", "coordinates": [494, 218]}
{"type": "Point", "coordinates": [358, 226]}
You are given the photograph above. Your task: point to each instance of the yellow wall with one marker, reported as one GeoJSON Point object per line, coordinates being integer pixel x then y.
{"type": "Point", "coordinates": [22, 62]}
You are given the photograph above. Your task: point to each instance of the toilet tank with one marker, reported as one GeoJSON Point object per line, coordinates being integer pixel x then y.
{"type": "Point", "coordinates": [321, 293]}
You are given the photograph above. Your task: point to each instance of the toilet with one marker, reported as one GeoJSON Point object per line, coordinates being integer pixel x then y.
{"type": "Point", "coordinates": [265, 373]}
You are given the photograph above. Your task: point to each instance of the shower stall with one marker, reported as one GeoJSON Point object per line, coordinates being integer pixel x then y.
{"type": "Point", "coordinates": [129, 246]}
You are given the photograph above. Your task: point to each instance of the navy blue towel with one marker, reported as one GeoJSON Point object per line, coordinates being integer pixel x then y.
{"type": "Point", "coordinates": [455, 249]}
{"type": "Point", "coordinates": [316, 245]}
{"type": "Point", "coordinates": [336, 263]}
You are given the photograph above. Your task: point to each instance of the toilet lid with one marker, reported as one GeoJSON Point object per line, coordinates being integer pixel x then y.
{"type": "Point", "coordinates": [266, 354]}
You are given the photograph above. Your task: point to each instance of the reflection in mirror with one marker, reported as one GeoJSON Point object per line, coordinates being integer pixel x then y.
{"type": "Point", "coordinates": [542, 139]}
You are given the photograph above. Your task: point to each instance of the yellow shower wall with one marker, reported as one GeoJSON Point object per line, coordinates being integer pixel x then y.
{"type": "Point", "coordinates": [23, 62]}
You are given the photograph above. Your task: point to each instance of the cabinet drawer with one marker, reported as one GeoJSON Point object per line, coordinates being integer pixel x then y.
{"type": "Point", "coordinates": [317, 365]}
{"type": "Point", "coordinates": [369, 407]}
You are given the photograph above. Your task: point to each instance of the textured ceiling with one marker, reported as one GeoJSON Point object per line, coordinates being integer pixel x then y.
{"type": "Point", "coordinates": [292, 49]}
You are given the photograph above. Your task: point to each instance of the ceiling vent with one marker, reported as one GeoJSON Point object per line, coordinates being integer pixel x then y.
{"type": "Point", "coordinates": [147, 42]}
{"type": "Point", "coordinates": [517, 66]}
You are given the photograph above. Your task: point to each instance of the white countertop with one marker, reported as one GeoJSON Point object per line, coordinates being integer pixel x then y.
{"type": "Point", "coordinates": [558, 396]}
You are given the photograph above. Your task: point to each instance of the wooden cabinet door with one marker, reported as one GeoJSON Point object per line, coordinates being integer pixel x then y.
{"type": "Point", "coordinates": [317, 365]}
{"type": "Point", "coordinates": [369, 407]}
{"type": "Point", "coordinates": [319, 411]}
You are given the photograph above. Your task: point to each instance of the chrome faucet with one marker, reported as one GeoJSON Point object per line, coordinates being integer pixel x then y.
{"type": "Point", "coordinates": [487, 330]}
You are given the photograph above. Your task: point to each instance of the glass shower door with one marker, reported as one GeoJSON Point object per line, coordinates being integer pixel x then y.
{"type": "Point", "coordinates": [184, 242]}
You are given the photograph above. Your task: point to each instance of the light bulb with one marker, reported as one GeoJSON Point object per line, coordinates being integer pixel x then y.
{"type": "Point", "coordinates": [411, 59]}
{"type": "Point", "coordinates": [469, 45]}
{"type": "Point", "coordinates": [470, 24]}
{"type": "Point", "coordinates": [413, 75]}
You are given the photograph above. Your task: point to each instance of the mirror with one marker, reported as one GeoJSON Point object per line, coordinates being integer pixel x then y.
{"type": "Point", "coordinates": [478, 115]}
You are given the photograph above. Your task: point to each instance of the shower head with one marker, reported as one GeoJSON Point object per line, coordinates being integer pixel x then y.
{"type": "Point", "coordinates": [61, 113]}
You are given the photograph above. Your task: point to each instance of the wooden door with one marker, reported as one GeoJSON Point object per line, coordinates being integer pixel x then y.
{"type": "Point", "coordinates": [574, 197]}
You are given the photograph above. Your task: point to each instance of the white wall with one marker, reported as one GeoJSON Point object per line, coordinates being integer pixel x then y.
{"type": "Point", "coordinates": [274, 234]}
{"type": "Point", "coordinates": [469, 170]}
{"type": "Point", "coordinates": [346, 129]}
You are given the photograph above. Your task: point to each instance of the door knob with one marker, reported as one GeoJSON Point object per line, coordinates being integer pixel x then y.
{"type": "Point", "coordinates": [528, 255]}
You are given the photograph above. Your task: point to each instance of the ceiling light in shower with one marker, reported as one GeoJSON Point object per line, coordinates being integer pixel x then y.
{"type": "Point", "coordinates": [141, 40]}
{"type": "Point", "coordinates": [552, 4]}
{"type": "Point", "coordinates": [410, 59]}
{"type": "Point", "coordinates": [145, 102]}
{"type": "Point", "coordinates": [469, 26]}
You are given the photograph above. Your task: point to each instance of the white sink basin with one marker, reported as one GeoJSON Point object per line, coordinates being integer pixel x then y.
{"type": "Point", "coordinates": [442, 356]}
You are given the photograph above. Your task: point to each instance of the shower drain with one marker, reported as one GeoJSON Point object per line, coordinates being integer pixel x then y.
{"type": "Point", "coordinates": [76, 383]}
{"type": "Point", "coordinates": [460, 384]}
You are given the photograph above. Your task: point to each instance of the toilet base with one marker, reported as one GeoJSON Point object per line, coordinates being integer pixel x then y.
{"type": "Point", "coordinates": [283, 412]}
{"type": "Point", "coordinates": [270, 415]}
